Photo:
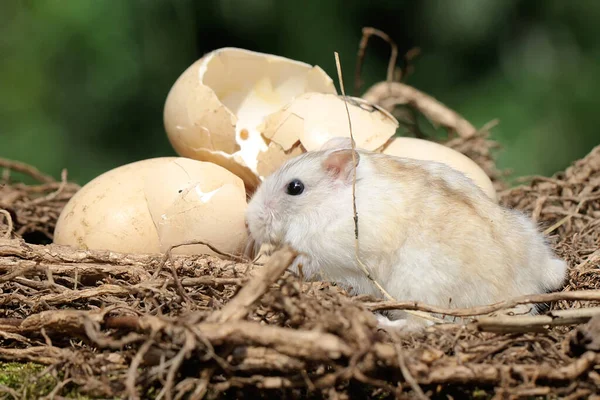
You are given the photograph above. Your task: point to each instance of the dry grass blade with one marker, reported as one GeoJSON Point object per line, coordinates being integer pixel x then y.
{"type": "Point", "coordinates": [356, 233]}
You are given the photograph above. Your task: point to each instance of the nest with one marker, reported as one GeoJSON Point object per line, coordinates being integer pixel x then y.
{"type": "Point", "coordinates": [143, 326]}
{"type": "Point", "coordinates": [104, 324]}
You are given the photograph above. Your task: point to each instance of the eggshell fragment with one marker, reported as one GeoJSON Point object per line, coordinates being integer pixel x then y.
{"type": "Point", "coordinates": [420, 149]}
{"type": "Point", "coordinates": [213, 109]}
{"type": "Point", "coordinates": [150, 205]}
{"type": "Point", "coordinates": [311, 119]}
{"type": "Point", "coordinates": [192, 200]}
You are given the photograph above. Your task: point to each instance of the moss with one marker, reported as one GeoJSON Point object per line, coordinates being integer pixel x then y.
{"type": "Point", "coordinates": [24, 378]}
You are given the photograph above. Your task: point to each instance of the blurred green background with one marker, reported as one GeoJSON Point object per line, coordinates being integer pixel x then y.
{"type": "Point", "coordinates": [83, 82]}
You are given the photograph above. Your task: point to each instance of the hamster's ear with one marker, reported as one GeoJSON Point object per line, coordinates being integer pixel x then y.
{"type": "Point", "coordinates": [337, 143]}
{"type": "Point", "coordinates": [339, 164]}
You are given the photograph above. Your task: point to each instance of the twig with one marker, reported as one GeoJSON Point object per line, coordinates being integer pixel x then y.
{"type": "Point", "coordinates": [26, 169]}
{"type": "Point", "coordinates": [213, 248]}
{"type": "Point", "coordinates": [407, 375]}
{"type": "Point", "coordinates": [488, 126]}
{"type": "Point", "coordinates": [527, 323]}
{"type": "Point", "coordinates": [362, 47]}
{"type": "Point", "coordinates": [40, 354]}
{"type": "Point", "coordinates": [178, 286]}
{"type": "Point", "coordinates": [235, 309]}
{"type": "Point", "coordinates": [202, 386]}
{"type": "Point", "coordinates": [9, 222]}
{"type": "Point", "coordinates": [490, 373]}
{"type": "Point", "coordinates": [389, 95]}
{"type": "Point", "coordinates": [210, 281]}
{"type": "Point", "coordinates": [130, 387]}
{"type": "Point", "coordinates": [55, 253]}
{"type": "Point", "coordinates": [52, 195]}
{"type": "Point", "coordinates": [188, 346]}
{"type": "Point", "coordinates": [7, 390]}
{"type": "Point", "coordinates": [15, 273]}
{"type": "Point", "coordinates": [311, 344]}
{"type": "Point", "coordinates": [239, 306]}
{"type": "Point", "coordinates": [565, 219]}
{"type": "Point", "coordinates": [46, 337]}
{"type": "Point", "coordinates": [581, 295]}
{"type": "Point", "coordinates": [356, 242]}
{"type": "Point", "coordinates": [59, 386]}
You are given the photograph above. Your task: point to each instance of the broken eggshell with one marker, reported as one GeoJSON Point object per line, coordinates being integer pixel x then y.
{"type": "Point", "coordinates": [150, 205]}
{"type": "Point", "coordinates": [311, 119]}
{"type": "Point", "coordinates": [306, 123]}
{"type": "Point", "coordinates": [414, 148]}
{"type": "Point", "coordinates": [213, 109]}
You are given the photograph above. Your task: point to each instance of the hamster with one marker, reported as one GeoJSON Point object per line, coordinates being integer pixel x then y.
{"type": "Point", "coordinates": [426, 231]}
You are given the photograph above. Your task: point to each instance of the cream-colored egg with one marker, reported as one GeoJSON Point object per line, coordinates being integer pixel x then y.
{"type": "Point", "coordinates": [149, 205]}
{"type": "Point", "coordinates": [214, 108]}
{"type": "Point", "coordinates": [420, 149]}
{"type": "Point", "coordinates": [310, 120]}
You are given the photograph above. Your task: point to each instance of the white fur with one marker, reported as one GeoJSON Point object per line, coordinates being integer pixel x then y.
{"type": "Point", "coordinates": [444, 243]}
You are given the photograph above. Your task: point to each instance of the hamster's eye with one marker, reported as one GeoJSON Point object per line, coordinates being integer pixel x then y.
{"type": "Point", "coordinates": [295, 187]}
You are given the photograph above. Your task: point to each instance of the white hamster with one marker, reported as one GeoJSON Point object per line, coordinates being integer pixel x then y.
{"type": "Point", "coordinates": [426, 232]}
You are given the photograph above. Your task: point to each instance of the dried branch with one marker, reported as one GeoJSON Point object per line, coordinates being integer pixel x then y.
{"type": "Point", "coordinates": [312, 345]}
{"type": "Point", "coordinates": [527, 323]}
{"type": "Point", "coordinates": [390, 94]}
{"type": "Point", "coordinates": [26, 169]}
{"type": "Point", "coordinates": [38, 354]}
{"type": "Point", "coordinates": [239, 307]}
{"type": "Point", "coordinates": [407, 375]}
{"type": "Point", "coordinates": [58, 253]}
{"type": "Point", "coordinates": [488, 373]}
{"type": "Point", "coordinates": [367, 32]}
{"type": "Point", "coordinates": [210, 246]}
{"type": "Point", "coordinates": [585, 295]}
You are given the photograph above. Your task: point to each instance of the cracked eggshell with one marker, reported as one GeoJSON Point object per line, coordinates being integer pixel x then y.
{"type": "Point", "coordinates": [427, 150]}
{"type": "Point", "coordinates": [149, 205]}
{"type": "Point", "coordinates": [193, 200]}
{"type": "Point", "coordinates": [311, 119]}
{"type": "Point", "coordinates": [213, 109]}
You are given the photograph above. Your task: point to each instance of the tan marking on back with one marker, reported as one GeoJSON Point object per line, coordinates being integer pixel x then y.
{"type": "Point", "coordinates": [395, 168]}
{"type": "Point", "coordinates": [467, 206]}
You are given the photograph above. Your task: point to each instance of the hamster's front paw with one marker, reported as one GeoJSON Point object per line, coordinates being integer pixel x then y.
{"type": "Point", "coordinates": [402, 326]}
{"type": "Point", "coordinates": [302, 265]}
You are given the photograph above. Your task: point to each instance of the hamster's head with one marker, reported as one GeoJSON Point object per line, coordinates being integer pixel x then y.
{"type": "Point", "coordinates": [301, 194]}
